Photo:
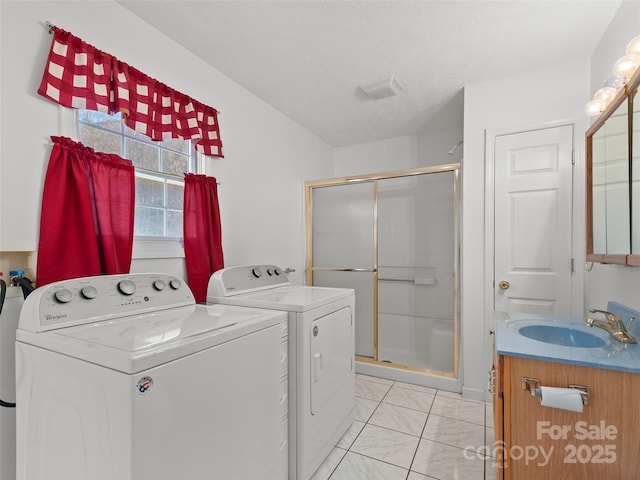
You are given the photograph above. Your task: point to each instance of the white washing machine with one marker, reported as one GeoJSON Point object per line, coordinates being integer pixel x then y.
{"type": "Point", "coordinates": [321, 355]}
{"type": "Point", "coordinates": [125, 377]}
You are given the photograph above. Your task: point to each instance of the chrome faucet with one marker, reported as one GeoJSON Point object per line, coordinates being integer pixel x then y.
{"type": "Point", "coordinates": [613, 325]}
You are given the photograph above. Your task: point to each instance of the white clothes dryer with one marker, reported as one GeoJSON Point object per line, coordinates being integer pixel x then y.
{"type": "Point", "coordinates": [125, 377]}
{"type": "Point", "coordinates": [321, 355]}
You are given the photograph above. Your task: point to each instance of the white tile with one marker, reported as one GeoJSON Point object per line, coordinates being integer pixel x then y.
{"type": "Point", "coordinates": [458, 396]}
{"type": "Point", "coordinates": [327, 467]}
{"type": "Point", "coordinates": [447, 463]}
{"type": "Point", "coordinates": [464, 410]}
{"type": "Point", "coordinates": [454, 432]}
{"type": "Point", "coordinates": [369, 378]}
{"type": "Point", "coordinates": [490, 441]}
{"type": "Point", "coordinates": [371, 390]}
{"type": "Point", "coordinates": [404, 397]}
{"type": "Point", "coordinates": [359, 467]}
{"type": "Point", "coordinates": [418, 476]}
{"type": "Point", "coordinates": [387, 445]}
{"type": "Point", "coordinates": [418, 388]}
{"type": "Point", "coordinates": [491, 469]}
{"type": "Point", "coordinates": [350, 435]}
{"type": "Point", "coordinates": [363, 409]}
{"type": "Point", "coordinates": [402, 419]}
{"type": "Point", "coordinates": [489, 414]}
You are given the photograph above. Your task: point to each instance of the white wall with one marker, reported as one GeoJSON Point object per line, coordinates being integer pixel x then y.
{"type": "Point", "coordinates": [525, 101]}
{"type": "Point", "coordinates": [268, 156]}
{"type": "Point", "coordinates": [400, 153]}
{"type": "Point", "coordinates": [613, 282]}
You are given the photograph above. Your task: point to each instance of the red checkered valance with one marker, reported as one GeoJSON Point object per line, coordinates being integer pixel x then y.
{"type": "Point", "coordinates": [78, 75]}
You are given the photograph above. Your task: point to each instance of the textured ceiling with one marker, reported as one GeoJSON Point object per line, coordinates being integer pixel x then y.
{"type": "Point", "coordinates": [307, 58]}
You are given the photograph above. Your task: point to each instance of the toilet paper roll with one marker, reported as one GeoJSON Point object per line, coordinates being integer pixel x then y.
{"type": "Point", "coordinates": [564, 398]}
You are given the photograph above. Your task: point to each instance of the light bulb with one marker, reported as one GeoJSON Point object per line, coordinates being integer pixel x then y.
{"type": "Point", "coordinates": [633, 47]}
{"type": "Point", "coordinates": [615, 81]}
{"type": "Point", "coordinates": [594, 107]}
{"type": "Point", "coordinates": [605, 94]}
{"type": "Point", "coordinates": [626, 66]}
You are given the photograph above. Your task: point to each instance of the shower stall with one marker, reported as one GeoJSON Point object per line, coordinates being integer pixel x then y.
{"type": "Point", "coordinates": [394, 238]}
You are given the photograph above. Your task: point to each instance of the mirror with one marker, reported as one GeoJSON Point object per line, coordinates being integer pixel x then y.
{"type": "Point", "coordinates": [613, 180]}
{"type": "Point", "coordinates": [635, 168]}
{"type": "Point", "coordinates": [610, 187]}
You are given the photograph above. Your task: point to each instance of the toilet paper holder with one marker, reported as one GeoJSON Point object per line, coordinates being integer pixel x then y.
{"type": "Point", "coordinates": [533, 385]}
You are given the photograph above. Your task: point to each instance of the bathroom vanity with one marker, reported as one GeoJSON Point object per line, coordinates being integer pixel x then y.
{"type": "Point", "coordinates": [540, 442]}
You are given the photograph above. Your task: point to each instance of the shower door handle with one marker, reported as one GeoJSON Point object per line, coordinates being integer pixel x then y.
{"type": "Point", "coordinates": [504, 285]}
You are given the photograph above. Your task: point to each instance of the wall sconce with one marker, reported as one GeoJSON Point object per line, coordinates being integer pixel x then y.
{"type": "Point", "coordinates": [623, 70]}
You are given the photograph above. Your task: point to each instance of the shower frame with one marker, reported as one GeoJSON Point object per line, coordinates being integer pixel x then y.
{"type": "Point", "coordinates": [376, 178]}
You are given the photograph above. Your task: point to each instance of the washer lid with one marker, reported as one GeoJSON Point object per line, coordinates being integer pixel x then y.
{"type": "Point", "coordinates": [292, 298]}
{"type": "Point", "coordinates": [153, 330]}
{"type": "Point", "coordinates": [139, 342]}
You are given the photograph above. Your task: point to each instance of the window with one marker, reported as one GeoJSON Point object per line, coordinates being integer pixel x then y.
{"type": "Point", "coordinates": [159, 176]}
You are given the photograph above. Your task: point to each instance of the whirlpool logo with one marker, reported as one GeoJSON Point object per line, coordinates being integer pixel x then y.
{"type": "Point", "coordinates": [144, 385]}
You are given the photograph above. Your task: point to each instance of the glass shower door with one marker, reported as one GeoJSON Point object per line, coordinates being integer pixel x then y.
{"type": "Point", "coordinates": [416, 272]}
{"type": "Point", "coordinates": [394, 238]}
{"type": "Point", "coordinates": [343, 245]}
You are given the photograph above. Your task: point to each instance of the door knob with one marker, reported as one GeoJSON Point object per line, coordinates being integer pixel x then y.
{"type": "Point", "coordinates": [504, 285]}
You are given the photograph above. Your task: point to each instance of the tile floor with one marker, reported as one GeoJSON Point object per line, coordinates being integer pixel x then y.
{"type": "Point", "coordinates": [408, 432]}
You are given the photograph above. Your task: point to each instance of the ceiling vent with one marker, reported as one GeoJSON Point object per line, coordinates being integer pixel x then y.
{"type": "Point", "coordinates": [385, 87]}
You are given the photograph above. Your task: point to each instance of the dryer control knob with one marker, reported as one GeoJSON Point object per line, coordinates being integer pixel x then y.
{"type": "Point", "coordinates": [159, 285]}
{"type": "Point", "coordinates": [256, 272]}
{"type": "Point", "coordinates": [277, 271]}
{"type": "Point", "coordinates": [127, 287]}
{"type": "Point", "coordinates": [175, 284]}
{"type": "Point", "coordinates": [63, 296]}
{"type": "Point", "coordinates": [89, 292]}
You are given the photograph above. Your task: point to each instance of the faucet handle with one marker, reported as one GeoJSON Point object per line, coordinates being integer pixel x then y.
{"type": "Point", "coordinates": [631, 319]}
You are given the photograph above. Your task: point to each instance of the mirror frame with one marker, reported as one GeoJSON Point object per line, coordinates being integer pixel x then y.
{"type": "Point", "coordinates": [626, 94]}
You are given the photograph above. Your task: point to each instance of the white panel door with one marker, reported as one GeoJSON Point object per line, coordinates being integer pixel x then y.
{"type": "Point", "coordinates": [533, 217]}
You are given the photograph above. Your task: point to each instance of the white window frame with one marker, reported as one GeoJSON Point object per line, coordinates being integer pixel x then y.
{"type": "Point", "coordinates": [144, 247]}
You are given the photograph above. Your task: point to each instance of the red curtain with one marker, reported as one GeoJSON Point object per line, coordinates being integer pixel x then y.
{"type": "Point", "coordinates": [202, 232]}
{"type": "Point", "coordinates": [78, 75]}
{"type": "Point", "coordinates": [86, 223]}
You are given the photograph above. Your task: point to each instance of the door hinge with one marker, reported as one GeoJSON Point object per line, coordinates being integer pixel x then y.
{"type": "Point", "coordinates": [573, 265]}
{"type": "Point", "coordinates": [573, 156]}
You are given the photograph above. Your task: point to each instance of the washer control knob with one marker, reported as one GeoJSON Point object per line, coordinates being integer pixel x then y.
{"type": "Point", "coordinates": [277, 271]}
{"type": "Point", "coordinates": [175, 283]}
{"type": "Point", "coordinates": [127, 287]}
{"type": "Point", "coordinates": [159, 285]}
{"type": "Point", "coordinates": [270, 272]}
{"type": "Point", "coordinates": [89, 292]}
{"type": "Point", "coordinates": [63, 296]}
{"type": "Point", "coordinates": [256, 272]}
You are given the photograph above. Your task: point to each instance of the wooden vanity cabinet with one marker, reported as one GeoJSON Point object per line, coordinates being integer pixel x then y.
{"type": "Point", "coordinates": [549, 443]}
